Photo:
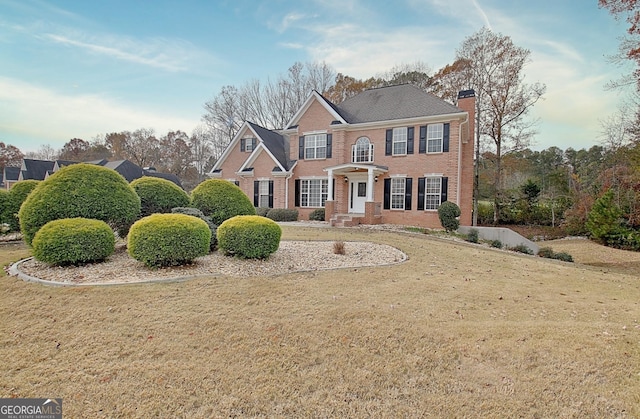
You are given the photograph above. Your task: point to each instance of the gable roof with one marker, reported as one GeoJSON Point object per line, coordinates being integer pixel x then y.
{"type": "Point", "coordinates": [270, 141]}
{"type": "Point", "coordinates": [127, 169]}
{"type": "Point", "coordinates": [36, 169]}
{"type": "Point", "coordinates": [394, 102]}
{"type": "Point", "coordinates": [315, 96]}
{"type": "Point", "coordinates": [273, 142]}
{"type": "Point", "coordinates": [11, 173]}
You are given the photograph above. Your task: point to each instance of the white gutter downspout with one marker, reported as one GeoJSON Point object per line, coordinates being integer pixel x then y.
{"type": "Point", "coordinates": [286, 190]}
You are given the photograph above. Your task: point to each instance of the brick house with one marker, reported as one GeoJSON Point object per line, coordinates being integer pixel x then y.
{"type": "Point", "coordinates": [387, 155]}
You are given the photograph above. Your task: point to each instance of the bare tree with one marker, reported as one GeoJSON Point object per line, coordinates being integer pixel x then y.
{"type": "Point", "coordinates": [270, 104]}
{"type": "Point", "coordinates": [141, 147]}
{"type": "Point", "coordinates": [44, 152]}
{"type": "Point", "coordinates": [10, 156]}
{"type": "Point", "coordinates": [496, 73]}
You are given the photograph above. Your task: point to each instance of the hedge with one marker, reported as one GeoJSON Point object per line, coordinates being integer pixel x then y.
{"type": "Point", "coordinates": [80, 190]}
{"type": "Point", "coordinates": [73, 241]}
{"type": "Point", "coordinates": [168, 239]}
{"type": "Point", "coordinates": [17, 195]}
{"type": "Point", "coordinates": [158, 195]}
{"type": "Point", "coordinates": [249, 236]}
{"type": "Point", "coordinates": [221, 200]}
{"type": "Point", "coordinates": [195, 212]}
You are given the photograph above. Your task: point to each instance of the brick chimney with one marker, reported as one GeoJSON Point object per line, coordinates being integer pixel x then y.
{"type": "Point", "coordinates": [467, 103]}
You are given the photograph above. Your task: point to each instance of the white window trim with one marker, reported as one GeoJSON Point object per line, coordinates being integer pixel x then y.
{"type": "Point", "coordinates": [440, 139]}
{"type": "Point", "coordinates": [402, 195]}
{"type": "Point", "coordinates": [322, 182]}
{"type": "Point", "coordinates": [438, 194]}
{"type": "Point", "coordinates": [263, 184]}
{"type": "Point", "coordinates": [315, 147]}
{"type": "Point", "coordinates": [395, 141]}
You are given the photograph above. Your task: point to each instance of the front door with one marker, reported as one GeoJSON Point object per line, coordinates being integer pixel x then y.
{"type": "Point", "coordinates": [357, 196]}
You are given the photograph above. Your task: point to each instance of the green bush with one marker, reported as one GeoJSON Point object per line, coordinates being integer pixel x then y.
{"type": "Point", "coordinates": [547, 252]}
{"type": "Point", "coordinates": [221, 200]}
{"type": "Point", "coordinates": [4, 210]}
{"type": "Point", "coordinates": [317, 215]}
{"type": "Point", "coordinates": [605, 222]}
{"type": "Point", "coordinates": [17, 195]}
{"type": "Point", "coordinates": [158, 195]}
{"type": "Point", "coordinates": [521, 248]}
{"type": "Point", "coordinates": [496, 243]}
{"type": "Point", "coordinates": [283, 214]}
{"type": "Point", "coordinates": [262, 211]}
{"type": "Point", "coordinates": [80, 190]}
{"type": "Point", "coordinates": [195, 212]}
{"type": "Point", "coordinates": [473, 235]}
{"type": "Point", "coordinates": [168, 239]}
{"type": "Point", "coordinates": [448, 212]}
{"type": "Point", "coordinates": [249, 237]}
{"type": "Point", "coordinates": [73, 241]}
{"type": "Point", "coordinates": [485, 213]}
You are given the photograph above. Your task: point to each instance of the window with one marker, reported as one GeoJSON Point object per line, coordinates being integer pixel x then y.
{"type": "Point", "coordinates": [432, 193]}
{"type": "Point", "coordinates": [399, 141]}
{"type": "Point", "coordinates": [263, 191]}
{"type": "Point", "coordinates": [315, 146]}
{"type": "Point", "coordinates": [397, 193]}
{"type": "Point", "coordinates": [362, 151]}
{"type": "Point", "coordinates": [248, 144]}
{"type": "Point", "coordinates": [313, 192]}
{"type": "Point", "coordinates": [434, 138]}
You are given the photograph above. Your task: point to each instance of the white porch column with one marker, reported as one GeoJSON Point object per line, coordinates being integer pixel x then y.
{"type": "Point", "coordinates": [330, 185]}
{"type": "Point", "coordinates": [370, 181]}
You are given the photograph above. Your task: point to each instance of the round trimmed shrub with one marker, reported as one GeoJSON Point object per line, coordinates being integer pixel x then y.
{"type": "Point", "coordinates": [221, 200]}
{"type": "Point", "coordinates": [80, 190]}
{"type": "Point", "coordinates": [73, 241]}
{"type": "Point", "coordinates": [195, 212]}
{"type": "Point", "coordinates": [158, 195]}
{"type": "Point", "coordinates": [448, 212]}
{"type": "Point", "coordinates": [168, 239]}
{"type": "Point", "coordinates": [17, 195]}
{"type": "Point", "coordinates": [249, 236]}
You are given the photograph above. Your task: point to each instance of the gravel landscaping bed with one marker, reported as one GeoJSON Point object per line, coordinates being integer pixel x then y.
{"type": "Point", "coordinates": [291, 256]}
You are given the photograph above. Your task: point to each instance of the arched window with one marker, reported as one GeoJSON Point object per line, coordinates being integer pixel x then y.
{"type": "Point", "coordinates": [362, 151]}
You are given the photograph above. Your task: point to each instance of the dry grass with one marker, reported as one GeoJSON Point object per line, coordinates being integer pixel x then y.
{"type": "Point", "coordinates": [338, 247]}
{"type": "Point", "coordinates": [458, 330]}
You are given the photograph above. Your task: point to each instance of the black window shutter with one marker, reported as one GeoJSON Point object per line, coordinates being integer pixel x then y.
{"type": "Point", "coordinates": [410, 140]}
{"type": "Point", "coordinates": [242, 144]}
{"type": "Point", "coordinates": [422, 147]}
{"type": "Point", "coordinates": [445, 187]}
{"type": "Point", "coordinates": [301, 148]}
{"type": "Point", "coordinates": [256, 193]}
{"type": "Point", "coordinates": [297, 193]}
{"type": "Point", "coordinates": [254, 143]}
{"type": "Point", "coordinates": [408, 184]}
{"type": "Point", "coordinates": [329, 143]}
{"type": "Point", "coordinates": [270, 194]}
{"type": "Point", "coordinates": [421, 193]}
{"type": "Point", "coordinates": [387, 194]}
{"type": "Point", "coordinates": [445, 138]}
{"type": "Point", "coordinates": [237, 182]}
{"type": "Point", "coordinates": [388, 145]}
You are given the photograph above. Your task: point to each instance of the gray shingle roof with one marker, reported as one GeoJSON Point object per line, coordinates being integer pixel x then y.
{"type": "Point", "coordinates": [274, 142]}
{"type": "Point", "coordinates": [36, 169]}
{"type": "Point", "coordinates": [393, 102]}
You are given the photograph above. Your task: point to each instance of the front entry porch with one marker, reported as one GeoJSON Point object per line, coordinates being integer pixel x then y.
{"type": "Point", "coordinates": [356, 203]}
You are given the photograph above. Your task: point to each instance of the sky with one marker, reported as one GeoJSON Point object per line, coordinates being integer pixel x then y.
{"type": "Point", "coordinates": [78, 69]}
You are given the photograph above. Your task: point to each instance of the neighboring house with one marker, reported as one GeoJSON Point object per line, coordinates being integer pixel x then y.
{"type": "Point", "coordinates": [41, 169]}
{"type": "Point", "coordinates": [388, 155]}
{"type": "Point", "coordinates": [10, 176]}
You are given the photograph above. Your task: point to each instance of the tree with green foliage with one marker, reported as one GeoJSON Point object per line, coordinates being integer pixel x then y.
{"type": "Point", "coordinates": [448, 212]}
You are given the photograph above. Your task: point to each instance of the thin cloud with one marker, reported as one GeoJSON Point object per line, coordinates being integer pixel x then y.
{"type": "Point", "coordinates": [157, 60]}
{"type": "Point", "coordinates": [61, 117]}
